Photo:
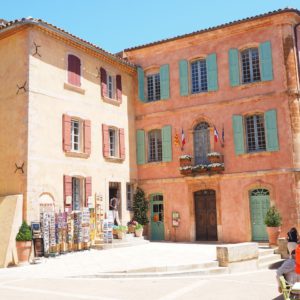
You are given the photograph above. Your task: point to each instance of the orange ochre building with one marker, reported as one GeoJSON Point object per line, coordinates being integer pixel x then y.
{"type": "Point", "coordinates": [77, 122]}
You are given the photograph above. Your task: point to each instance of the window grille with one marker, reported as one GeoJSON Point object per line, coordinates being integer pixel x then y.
{"type": "Point", "coordinates": [129, 192]}
{"type": "Point", "coordinates": [153, 84]}
{"type": "Point", "coordinates": [155, 146]}
{"type": "Point", "coordinates": [255, 133]}
{"type": "Point", "coordinates": [199, 76]}
{"type": "Point", "coordinates": [250, 65]}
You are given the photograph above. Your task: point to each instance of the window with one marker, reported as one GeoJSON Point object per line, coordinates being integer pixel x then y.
{"type": "Point", "coordinates": [77, 193]}
{"type": "Point", "coordinates": [255, 133]}
{"type": "Point", "coordinates": [199, 76]}
{"type": "Point", "coordinates": [153, 87]}
{"type": "Point", "coordinates": [75, 135]}
{"type": "Point", "coordinates": [113, 142]}
{"type": "Point", "coordinates": [74, 70]}
{"type": "Point", "coordinates": [111, 86]}
{"type": "Point", "coordinates": [129, 196]}
{"type": "Point", "coordinates": [250, 65]}
{"type": "Point", "coordinates": [155, 145]}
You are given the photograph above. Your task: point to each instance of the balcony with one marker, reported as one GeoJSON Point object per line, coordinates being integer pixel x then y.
{"type": "Point", "coordinates": [215, 165]}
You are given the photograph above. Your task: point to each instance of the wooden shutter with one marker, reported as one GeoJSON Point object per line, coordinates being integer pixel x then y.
{"type": "Point", "coordinates": [140, 155]}
{"type": "Point", "coordinates": [141, 84]}
{"type": "Point", "coordinates": [105, 140]}
{"type": "Point", "coordinates": [74, 70]}
{"type": "Point", "coordinates": [67, 189]}
{"type": "Point", "coordinates": [119, 88]}
{"type": "Point", "coordinates": [103, 79]}
{"type": "Point", "coordinates": [66, 127]}
{"type": "Point", "coordinates": [87, 136]}
{"type": "Point", "coordinates": [88, 189]}
{"type": "Point", "coordinates": [271, 130]}
{"type": "Point", "coordinates": [122, 143]}
{"type": "Point", "coordinates": [234, 69]}
{"type": "Point", "coordinates": [183, 77]}
{"type": "Point", "coordinates": [238, 131]}
{"type": "Point", "coordinates": [212, 72]}
{"type": "Point", "coordinates": [164, 74]}
{"type": "Point", "coordinates": [167, 143]}
{"type": "Point", "coordinates": [265, 56]}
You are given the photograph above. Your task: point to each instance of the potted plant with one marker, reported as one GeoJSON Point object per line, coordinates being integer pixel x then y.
{"type": "Point", "coordinates": [185, 160]}
{"type": "Point", "coordinates": [199, 169]}
{"type": "Point", "coordinates": [187, 170]}
{"type": "Point", "coordinates": [23, 243]}
{"type": "Point", "coordinates": [273, 223]}
{"type": "Point", "coordinates": [131, 226]}
{"type": "Point", "coordinates": [215, 167]}
{"type": "Point", "coordinates": [214, 157]}
{"type": "Point", "coordinates": [121, 231]}
{"type": "Point", "coordinates": [138, 230]}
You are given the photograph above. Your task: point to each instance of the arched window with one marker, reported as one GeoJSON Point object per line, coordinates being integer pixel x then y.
{"type": "Point", "coordinates": [250, 65]}
{"type": "Point", "coordinates": [201, 143]}
{"type": "Point", "coordinates": [260, 192]}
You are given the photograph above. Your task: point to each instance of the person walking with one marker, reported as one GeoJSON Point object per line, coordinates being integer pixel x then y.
{"type": "Point", "coordinates": [113, 206]}
{"type": "Point", "coordinates": [292, 238]}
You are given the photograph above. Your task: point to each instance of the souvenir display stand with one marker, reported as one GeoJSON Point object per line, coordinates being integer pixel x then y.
{"type": "Point", "coordinates": [99, 215]}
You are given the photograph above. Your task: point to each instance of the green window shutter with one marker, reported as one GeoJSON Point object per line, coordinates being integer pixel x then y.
{"type": "Point", "coordinates": [234, 69]}
{"type": "Point", "coordinates": [271, 128]}
{"type": "Point", "coordinates": [167, 143]}
{"type": "Point", "coordinates": [164, 74]}
{"type": "Point", "coordinates": [140, 146]}
{"type": "Point", "coordinates": [141, 84]}
{"type": "Point", "coordinates": [212, 72]}
{"type": "Point", "coordinates": [183, 77]}
{"type": "Point", "coordinates": [265, 56]}
{"type": "Point", "coordinates": [238, 131]}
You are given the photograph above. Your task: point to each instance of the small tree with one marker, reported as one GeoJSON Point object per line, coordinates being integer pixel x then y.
{"type": "Point", "coordinates": [272, 218]}
{"type": "Point", "coordinates": [140, 207]}
{"type": "Point", "coordinates": [24, 233]}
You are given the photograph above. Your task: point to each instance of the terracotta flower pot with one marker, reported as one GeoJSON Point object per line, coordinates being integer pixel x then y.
{"type": "Point", "coordinates": [139, 232]}
{"type": "Point", "coordinates": [273, 233]}
{"type": "Point", "coordinates": [23, 251]}
{"type": "Point", "coordinates": [214, 159]}
{"type": "Point", "coordinates": [184, 162]}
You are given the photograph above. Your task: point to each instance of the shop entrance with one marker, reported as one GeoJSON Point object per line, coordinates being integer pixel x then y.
{"type": "Point", "coordinates": [115, 203]}
{"type": "Point", "coordinates": [206, 215]}
{"type": "Point", "coordinates": [157, 218]}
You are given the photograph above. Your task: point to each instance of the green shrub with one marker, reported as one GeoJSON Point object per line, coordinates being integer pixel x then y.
{"type": "Point", "coordinates": [140, 207]}
{"type": "Point", "coordinates": [121, 228]}
{"type": "Point", "coordinates": [24, 233]}
{"type": "Point", "coordinates": [138, 226]}
{"type": "Point", "coordinates": [272, 218]}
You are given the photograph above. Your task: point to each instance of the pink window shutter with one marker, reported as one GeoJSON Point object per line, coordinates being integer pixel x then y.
{"type": "Point", "coordinates": [66, 126]}
{"type": "Point", "coordinates": [88, 189]}
{"type": "Point", "coordinates": [105, 140]}
{"type": "Point", "coordinates": [87, 136]}
{"type": "Point", "coordinates": [119, 88]}
{"type": "Point", "coordinates": [122, 143]}
{"type": "Point", "coordinates": [67, 189]}
{"type": "Point", "coordinates": [103, 78]}
{"type": "Point", "coordinates": [74, 70]}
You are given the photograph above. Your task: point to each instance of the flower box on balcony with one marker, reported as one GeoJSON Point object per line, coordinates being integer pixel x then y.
{"type": "Point", "coordinates": [187, 170]}
{"type": "Point", "coordinates": [185, 160]}
{"type": "Point", "coordinates": [198, 169]}
{"type": "Point", "coordinates": [214, 157]}
{"type": "Point", "coordinates": [216, 167]}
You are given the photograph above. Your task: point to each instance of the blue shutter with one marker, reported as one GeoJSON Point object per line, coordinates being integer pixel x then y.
{"type": "Point", "coordinates": [212, 72]}
{"type": "Point", "coordinates": [183, 77]}
{"type": "Point", "coordinates": [271, 130]}
{"type": "Point", "coordinates": [234, 69]}
{"type": "Point", "coordinates": [140, 146]}
{"type": "Point", "coordinates": [238, 131]}
{"type": "Point", "coordinates": [167, 143]}
{"type": "Point", "coordinates": [164, 82]}
{"type": "Point", "coordinates": [141, 84]}
{"type": "Point", "coordinates": [265, 56]}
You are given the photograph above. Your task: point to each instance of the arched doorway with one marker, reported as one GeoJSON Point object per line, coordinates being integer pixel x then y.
{"type": "Point", "coordinates": [157, 217]}
{"type": "Point", "coordinates": [259, 204]}
{"type": "Point", "coordinates": [206, 215]}
{"type": "Point", "coordinates": [201, 143]}
{"type": "Point", "coordinates": [46, 203]}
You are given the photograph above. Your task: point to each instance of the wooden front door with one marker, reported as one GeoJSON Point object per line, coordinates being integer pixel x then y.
{"type": "Point", "coordinates": [201, 143]}
{"type": "Point", "coordinates": [259, 204]}
{"type": "Point", "coordinates": [206, 215]}
{"type": "Point", "coordinates": [157, 218]}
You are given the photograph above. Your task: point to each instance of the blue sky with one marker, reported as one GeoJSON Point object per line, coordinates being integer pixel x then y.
{"type": "Point", "coordinates": [118, 24]}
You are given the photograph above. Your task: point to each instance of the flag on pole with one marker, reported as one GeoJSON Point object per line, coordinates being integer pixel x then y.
{"type": "Point", "coordinates": [176, 140]}
{"type": "Point", "coordinates": [216, 134]}
{"type": "Point", "coordinates": [223, 135]}
{"type": "Point", "coordinates": [182, 139]}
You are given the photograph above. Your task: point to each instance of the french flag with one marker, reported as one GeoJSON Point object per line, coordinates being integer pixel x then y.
{"type": "Point", "coordinates": [216, 134]}
{"type": "Point", "coordinates": [182, 139]}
